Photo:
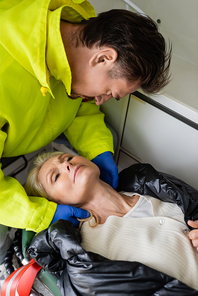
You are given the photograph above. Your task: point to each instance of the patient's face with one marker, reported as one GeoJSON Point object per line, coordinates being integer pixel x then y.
{"type": "Point", "coordinates": [68, 179]}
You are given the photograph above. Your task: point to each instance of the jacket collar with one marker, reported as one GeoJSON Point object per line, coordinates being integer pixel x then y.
{"type": "Point", "coordinates": [23, 34]}
{"type": "Point", "coordinates": [56, 56]}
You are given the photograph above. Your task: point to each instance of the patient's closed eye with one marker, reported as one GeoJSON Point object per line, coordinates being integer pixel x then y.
{"type": "Point", "coordinates": [64, 157]}
{"type": "Point", "coordinates": [56, 177]}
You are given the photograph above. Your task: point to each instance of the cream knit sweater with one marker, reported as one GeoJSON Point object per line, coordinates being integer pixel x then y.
{"type": "Point", "coordinates": [160, 242]}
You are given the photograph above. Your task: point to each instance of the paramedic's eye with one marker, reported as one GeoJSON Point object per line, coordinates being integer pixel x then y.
{"type": "Point", "coordinates": [56, 177]}
{"type": "Point", "coordinates": [117, 98]}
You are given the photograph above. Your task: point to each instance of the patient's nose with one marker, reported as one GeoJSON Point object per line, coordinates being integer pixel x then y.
{"type": "Point", "coordinates": [67, 165]}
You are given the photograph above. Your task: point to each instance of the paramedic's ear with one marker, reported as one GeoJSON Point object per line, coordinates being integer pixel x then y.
{"type": "Point", "coordinates": [104, 57]}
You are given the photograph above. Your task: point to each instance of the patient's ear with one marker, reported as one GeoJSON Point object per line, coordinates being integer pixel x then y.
{"type": "Point", "coordinates": [106, 56]}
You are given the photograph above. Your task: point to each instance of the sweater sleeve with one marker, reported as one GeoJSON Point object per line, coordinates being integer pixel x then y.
{"type": "Point", "coordinates": [88, 133]}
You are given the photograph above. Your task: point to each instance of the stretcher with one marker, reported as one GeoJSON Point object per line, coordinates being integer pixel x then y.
{"type": "Point", "coordinates": [58, 248]}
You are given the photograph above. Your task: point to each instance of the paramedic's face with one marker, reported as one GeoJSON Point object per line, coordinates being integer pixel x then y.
{"type": "Point", "coordinates": [68, 179]}
{"type": "Point", "coordinates": [102, 87]}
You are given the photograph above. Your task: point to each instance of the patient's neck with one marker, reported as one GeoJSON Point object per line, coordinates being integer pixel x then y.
{"type": "Point", "coordinates": [107, 201]}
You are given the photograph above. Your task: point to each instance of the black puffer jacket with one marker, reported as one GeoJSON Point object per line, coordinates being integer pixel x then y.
{"type": "Point", "coordinates": [58, 248]}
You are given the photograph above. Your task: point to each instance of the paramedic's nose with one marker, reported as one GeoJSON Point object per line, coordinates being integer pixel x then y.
{"type": "Point", "coordinates": [102, 99]}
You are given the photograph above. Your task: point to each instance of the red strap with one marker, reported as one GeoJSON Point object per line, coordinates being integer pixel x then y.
{"type": "Point", "coordinates": [13, 278]}
{"type": "Point", "coordinates": [19, 281]}
{"type": "Point", "coordinates": [27, 280]}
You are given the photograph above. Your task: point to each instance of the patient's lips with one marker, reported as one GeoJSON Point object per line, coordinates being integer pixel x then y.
{"type": "Point", "coordinates": [76, 171]}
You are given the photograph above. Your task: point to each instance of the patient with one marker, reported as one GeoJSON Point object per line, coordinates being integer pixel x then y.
{"type": "Point", "coordinates": [158, 237]}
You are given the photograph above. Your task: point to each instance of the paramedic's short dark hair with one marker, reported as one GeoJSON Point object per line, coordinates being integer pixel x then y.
{"type": "Point", "coordinates": [141, 49]}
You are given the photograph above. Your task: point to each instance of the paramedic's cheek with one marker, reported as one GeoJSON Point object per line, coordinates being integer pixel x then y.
{"type": "Point", "coordinates": [193, 234]}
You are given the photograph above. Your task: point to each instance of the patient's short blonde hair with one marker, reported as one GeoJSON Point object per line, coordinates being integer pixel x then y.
{"type": "Point", "coordinates": [32, 185]}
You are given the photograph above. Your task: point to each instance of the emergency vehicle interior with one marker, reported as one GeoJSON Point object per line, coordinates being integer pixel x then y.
{"type": "Point", "coordinates": [169, 142]}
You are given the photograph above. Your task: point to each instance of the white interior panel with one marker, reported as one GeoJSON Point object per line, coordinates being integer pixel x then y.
{"type": "Point", "coordinates": [162, 140]}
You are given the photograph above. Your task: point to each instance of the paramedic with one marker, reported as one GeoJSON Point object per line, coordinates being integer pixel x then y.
{"type": "Point", "coordinates": [50, 52]}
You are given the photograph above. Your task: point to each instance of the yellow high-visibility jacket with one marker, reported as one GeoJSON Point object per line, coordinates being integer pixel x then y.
{"type": "Point", "coordinates": [35, 79]}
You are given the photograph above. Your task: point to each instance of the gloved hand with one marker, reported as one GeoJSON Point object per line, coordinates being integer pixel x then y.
{"type": "Point", "coordinates": [69, 213]}
{"type": "Point", "coordinates": [108, 168]}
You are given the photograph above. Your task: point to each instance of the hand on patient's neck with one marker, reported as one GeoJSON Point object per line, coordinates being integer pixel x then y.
{"type": "Point", "coordinates": [106, 202]}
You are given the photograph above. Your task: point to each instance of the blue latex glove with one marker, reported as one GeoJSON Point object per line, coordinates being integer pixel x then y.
{"type": "Point", "coordinates": [69, 213]}
{"type": "Point", "coordinates": [108, 168]}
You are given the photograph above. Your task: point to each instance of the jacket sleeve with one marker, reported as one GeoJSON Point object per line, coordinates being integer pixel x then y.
{"type": "Point", "coordinates": [88, 133]}
{"type": "Point", "coordinates": [145, 179]}
{"type": "Point", "coordinates": [17, 209]}
{"type": "Point", "coordinates": [58, 250]}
